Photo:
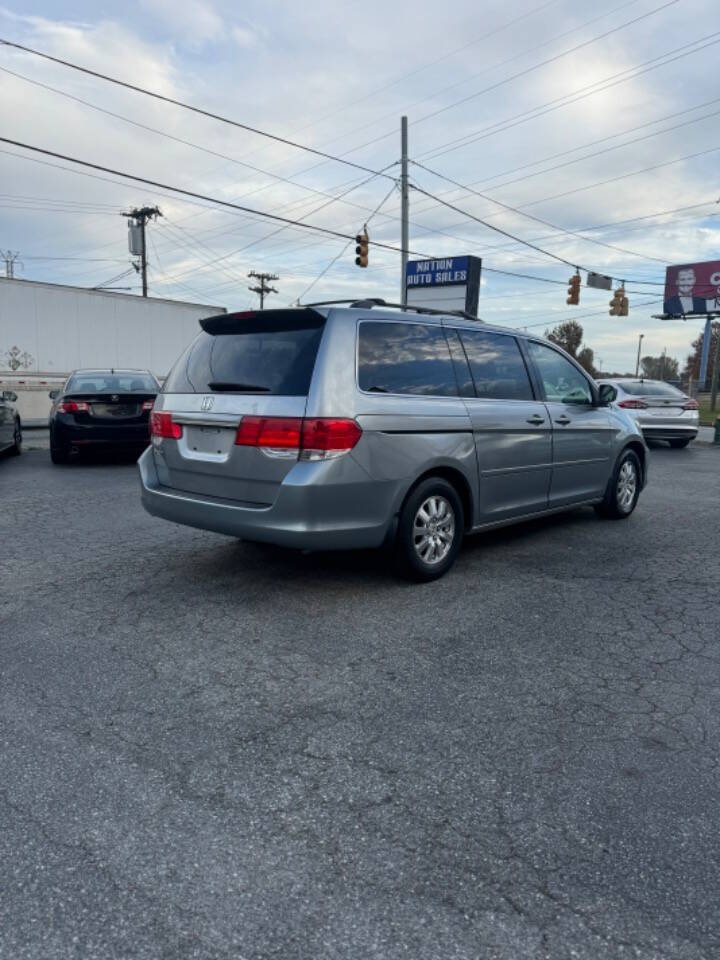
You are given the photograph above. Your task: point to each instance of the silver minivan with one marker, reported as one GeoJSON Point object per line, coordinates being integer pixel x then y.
{"type": "Point", "coordinates": [335, 427]}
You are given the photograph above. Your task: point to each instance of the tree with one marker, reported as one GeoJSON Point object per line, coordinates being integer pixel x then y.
{"type": "Point", "coordinates": [567, 335]}
{"type": "Point", "coordinates": [586, 359]}
{"type": "Point", "coordinates": [660, 368]}
{"type": "Point", "coordinates": [692, 364]}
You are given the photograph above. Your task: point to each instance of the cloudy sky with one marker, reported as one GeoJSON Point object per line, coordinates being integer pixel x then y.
{"type": "Point", "coordinates": [601, 119]}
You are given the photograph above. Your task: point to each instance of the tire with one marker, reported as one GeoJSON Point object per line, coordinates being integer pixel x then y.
{"type": "Point", "coordinates": [623, 489]}
{"type": "Point", "coordinates": [430, 531]}
{"type": "Point", "coordinates": [16, 448]}
{"type": "Point", "coordinates": [679, 444]}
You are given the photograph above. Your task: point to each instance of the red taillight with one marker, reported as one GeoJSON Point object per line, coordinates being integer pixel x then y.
{"type": "Point", "coordinates": [162, 425]}
{"type": "Point", "coordinates": [319, 438]}
{"type": "Point", "coordinates": [147, 404]}
{"type": "Point", "coordinates": [691, 405]}
{"type": "Point", "coordinates": [327, 437]}
{"type": "Point", "coordinates": [73, 406]}
{"type": "Point", "coordinates": [633, 404]}
{"type": "Point", "coordinates": [280, 433]}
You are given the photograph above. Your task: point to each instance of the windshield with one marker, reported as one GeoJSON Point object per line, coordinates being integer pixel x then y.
{"type": "Point", "coordinates": [650, 388]}
{"type": "Point", "coordinates": [271, 354]}
{"type": "Point", "coordinates": [130, 382]}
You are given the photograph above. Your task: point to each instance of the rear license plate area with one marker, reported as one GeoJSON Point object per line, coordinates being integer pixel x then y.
{"type": "Point", "coordinates": [114, 410]}
{"type": "Point", "coordinates": [209, 441]}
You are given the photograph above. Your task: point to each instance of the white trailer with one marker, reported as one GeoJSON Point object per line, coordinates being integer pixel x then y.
{"type": "Point", "coordinates": [47, 330]}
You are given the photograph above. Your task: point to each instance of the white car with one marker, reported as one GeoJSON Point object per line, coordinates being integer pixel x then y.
{"type": "Point", "coordinates": [662, 411]}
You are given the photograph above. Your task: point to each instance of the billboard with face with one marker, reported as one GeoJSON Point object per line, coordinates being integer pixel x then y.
{"type": "Point", "coordinates": [692, 288]}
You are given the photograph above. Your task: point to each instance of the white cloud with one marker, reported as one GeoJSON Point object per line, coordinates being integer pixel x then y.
{"type": "Point", "coordinates": [193, 22]}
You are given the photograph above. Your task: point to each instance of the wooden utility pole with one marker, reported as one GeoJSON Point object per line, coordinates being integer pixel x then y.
{"type": "Point", "coordinates": [262, 288]}
{"type": "Point", "coordinates": [137, 219]}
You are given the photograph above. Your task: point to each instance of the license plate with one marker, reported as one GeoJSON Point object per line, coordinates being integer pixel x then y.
{"type": "Point", "coordinates": [211, 440]}
{"type": "Point", "coordinates": [114, 409]}
{"type": "Point", "coordinates": [665, 412]}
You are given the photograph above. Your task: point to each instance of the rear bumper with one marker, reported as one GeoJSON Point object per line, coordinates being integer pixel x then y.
{"type": "Point", "coordinates": [662, 432]}
{"type": "Point", "coordinates": [74, 434]}
{"type": "Point", "coordinates": [324, 506]}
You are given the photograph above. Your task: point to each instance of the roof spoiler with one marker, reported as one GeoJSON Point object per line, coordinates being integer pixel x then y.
{"type": "Point", "coordinates": [262, 321]}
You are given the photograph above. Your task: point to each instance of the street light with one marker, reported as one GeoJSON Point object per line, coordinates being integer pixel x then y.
{"type": "Point", "coordinates": [637, 362]}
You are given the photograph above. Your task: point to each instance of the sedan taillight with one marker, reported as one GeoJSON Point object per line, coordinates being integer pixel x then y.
{"type": "Point", "coordinates": [691, 405]}
{"type": "Point", "coordinates": [163, 425]}
{"type": "Point", "coordinates": [73, 406]}
{"type": "Point", "coordinates": [633, 404]}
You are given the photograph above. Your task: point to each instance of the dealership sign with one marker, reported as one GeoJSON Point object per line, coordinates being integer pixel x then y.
{"type": "Point", "coordinates": [450, 283]}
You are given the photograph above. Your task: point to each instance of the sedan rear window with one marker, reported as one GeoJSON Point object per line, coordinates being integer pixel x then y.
{"type": "Point", "coordinates": [272, 353]}
{"type": "Point", "coordinates": [112, 383]}
{"type": "Point", "coordinates": [650, 388]}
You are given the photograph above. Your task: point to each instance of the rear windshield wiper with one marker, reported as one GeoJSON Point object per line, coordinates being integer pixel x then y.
{"type": "Point", "coordinates": [230, 385]}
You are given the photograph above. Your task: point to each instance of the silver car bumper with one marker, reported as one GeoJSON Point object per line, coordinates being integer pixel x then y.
{"type": "Point", "coordinates": [324, 506]}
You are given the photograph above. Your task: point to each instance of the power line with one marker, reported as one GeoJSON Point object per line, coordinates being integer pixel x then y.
{"type": "Point", "coordinates": [187, 106]}
{"type": "Point", "coordinates": [345, 247]}
{"type": "Point", "coordinates": [530, 216]}
{"type": "Point", "coordinates": [170, 136]}
{"type": "Point", "coordinates": [298, 224]}
{"type": "Point", "coordinates": [598, 86]}
{"type": "Point", "coordinates": [506, 233]}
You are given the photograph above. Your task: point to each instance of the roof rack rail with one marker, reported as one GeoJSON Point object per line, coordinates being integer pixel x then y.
{"type": "Point", "coordinates": [379, 302]}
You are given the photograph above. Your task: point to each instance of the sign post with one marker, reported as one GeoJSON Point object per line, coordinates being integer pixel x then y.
{"type": "Point", "coordinates": [452, 283]}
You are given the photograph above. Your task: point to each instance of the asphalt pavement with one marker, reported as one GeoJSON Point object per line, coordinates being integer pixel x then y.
{"type": "Point", "coordinates": [214, 749]}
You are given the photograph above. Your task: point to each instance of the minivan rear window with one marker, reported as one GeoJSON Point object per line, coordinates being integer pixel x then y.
{"type": "Point", "coordinates": [272, 353]}
{"type": "Point", "coordinates": [401, 357]}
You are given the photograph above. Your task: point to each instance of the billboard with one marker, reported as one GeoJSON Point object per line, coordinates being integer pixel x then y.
{"type": "Point", "coordinates": [692, 288]}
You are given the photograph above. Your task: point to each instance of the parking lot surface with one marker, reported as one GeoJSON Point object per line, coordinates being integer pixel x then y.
{"type": "Point", "coordinates": [213, 749]}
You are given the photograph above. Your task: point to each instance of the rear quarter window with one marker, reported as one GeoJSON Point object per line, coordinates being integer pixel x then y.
{"type": "Point", "coordinates": [405, 358]}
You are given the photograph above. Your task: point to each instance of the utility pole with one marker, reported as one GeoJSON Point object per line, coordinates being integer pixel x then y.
{"type": "Point", "coordinates": [715, 373]}
{"type": "Point", "coordinates": [405, 207]}
{"type": "Point", "coordinates": [10, 257]}
{"type": "Point", "coordinates": [137, 220]}
{"type": "Point", "coordinates": [637, 362]}
{"type": "Point", "coordinates": [262, 288]}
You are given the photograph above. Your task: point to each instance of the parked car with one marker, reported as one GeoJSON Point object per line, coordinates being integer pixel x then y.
{"type": "Point", "coordinates": [101, 408]}
{"type": "Point", "coordinates": [330, 428]}
{"type": "Point", "coordinates": [662, 411]}
{"type": "Point", "coordinates": [10, 425]}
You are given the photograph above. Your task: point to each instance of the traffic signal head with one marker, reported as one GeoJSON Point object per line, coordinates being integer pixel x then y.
{"type": "Point", "coordinates": [362, 240]}
{"type": "Point", "coordinates": [573, 297]}
{"type": "Point", "coordinates": [616, 304]}
{"type": "Point", "coordinates": [624, 305]}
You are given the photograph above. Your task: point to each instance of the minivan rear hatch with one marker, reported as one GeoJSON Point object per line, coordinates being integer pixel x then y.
{"type": "Point", "coordinates": [241, 366]}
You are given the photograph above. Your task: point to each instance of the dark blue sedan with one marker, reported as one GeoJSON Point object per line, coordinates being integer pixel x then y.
{"type": "Point", "coordinates": [101, 409]}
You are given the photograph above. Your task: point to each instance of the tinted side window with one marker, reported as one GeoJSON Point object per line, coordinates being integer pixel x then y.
{"type": "Point", "coordinates": [497, 366]}
{"type": "Point", "coordinates": [405, 358]}
{"type": "Point", "coordinates": [563, 382]}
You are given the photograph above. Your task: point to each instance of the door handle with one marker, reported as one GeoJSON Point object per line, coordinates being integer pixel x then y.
{"type": "Point", "coordinates": [536, 420]}
{"type": "Point", "coordinates": [563, 420]}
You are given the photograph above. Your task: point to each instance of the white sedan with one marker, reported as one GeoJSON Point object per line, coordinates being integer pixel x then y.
{"type": "Point", "coordinates": [662, 411]}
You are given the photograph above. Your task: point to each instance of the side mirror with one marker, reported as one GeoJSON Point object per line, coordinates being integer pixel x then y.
{"type": "Point", "coordinates": [54, 394]}
{"type": "Point", "coordinates": [606, 394]}
{"type": "Point", "coordinates": [9, 396]}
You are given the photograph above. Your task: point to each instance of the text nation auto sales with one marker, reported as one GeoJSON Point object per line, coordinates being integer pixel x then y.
{"type": "Point", "coordinates": [436, 272]}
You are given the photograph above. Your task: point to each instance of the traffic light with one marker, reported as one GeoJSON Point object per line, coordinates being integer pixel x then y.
{"type": "Point", "coordinates": [362, 240]}
{"type": "Point", "coordinates": [619, 303]}
{"type": "Point", "coordinates": [573, 290]}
